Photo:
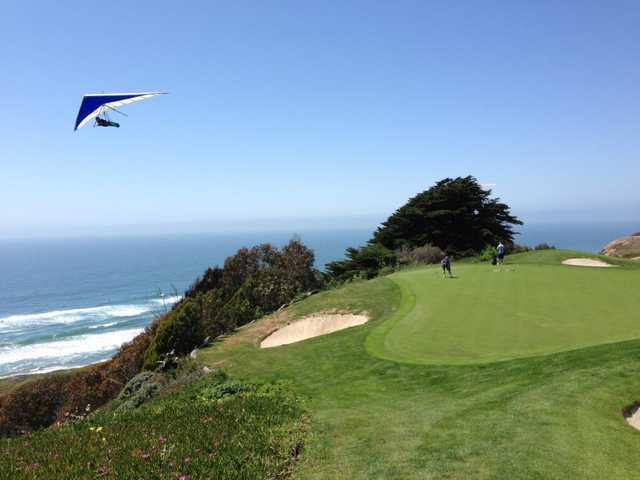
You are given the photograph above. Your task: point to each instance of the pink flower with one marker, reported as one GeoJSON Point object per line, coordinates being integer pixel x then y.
{"type": "Point", "coordinates": [184, 477]}
{"type": "Point", "coordinates": [163, 439]}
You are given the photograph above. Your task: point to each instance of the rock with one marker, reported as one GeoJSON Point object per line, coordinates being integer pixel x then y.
{"type": "Point", "coordinates": [625, 247]}
{"type": "Point", "coordinates": [206, 341]}
{"type": "Point", "coordinates": [194, 353]}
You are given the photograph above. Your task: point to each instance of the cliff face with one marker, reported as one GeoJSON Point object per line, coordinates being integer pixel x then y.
{"type": "Point", "coordinates": [627, 247]}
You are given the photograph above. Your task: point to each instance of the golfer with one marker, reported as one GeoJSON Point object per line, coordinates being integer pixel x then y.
{"type": "Point", "coordinates": [446, 266]}
{"type": "Point", "coordinates": [500, 252]}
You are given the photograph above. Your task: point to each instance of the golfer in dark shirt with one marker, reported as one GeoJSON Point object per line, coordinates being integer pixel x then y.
{"type": "Point", "coordinates": [446, 266]}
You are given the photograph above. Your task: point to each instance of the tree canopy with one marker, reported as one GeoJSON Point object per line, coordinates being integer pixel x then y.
{"type": "Point", "coordinates": [456, 215]}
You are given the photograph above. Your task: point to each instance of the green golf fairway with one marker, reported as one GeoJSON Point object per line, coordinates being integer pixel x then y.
{"type": "Point", "coordinates": [487, 314]}
{"type": "Point", "coordinates": [415, 393]}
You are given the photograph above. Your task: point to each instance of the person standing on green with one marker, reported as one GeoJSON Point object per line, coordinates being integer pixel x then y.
{"type": "Point", "coordinates": [500, 251]}
{"type": "Point", "coordinates": [446, 266]}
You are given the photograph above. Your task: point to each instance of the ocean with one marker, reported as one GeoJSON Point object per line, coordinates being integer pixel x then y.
{"type": "Point", "coordinates": [68, 303]}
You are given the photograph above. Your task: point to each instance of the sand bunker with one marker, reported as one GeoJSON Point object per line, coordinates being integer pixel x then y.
{"type": "Point", "coordinates": [632, 416]}
{"type": "Point", "coordinates": [586, 262]}
{"type": "Point", "coordinates": [312, 326]}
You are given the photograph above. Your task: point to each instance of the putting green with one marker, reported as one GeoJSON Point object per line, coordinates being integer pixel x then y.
{"type": "Point", "coordinates": [490, 314]}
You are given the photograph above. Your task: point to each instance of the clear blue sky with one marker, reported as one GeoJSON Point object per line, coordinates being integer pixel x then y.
{"type": "Point", "coordinates": [317, 112]}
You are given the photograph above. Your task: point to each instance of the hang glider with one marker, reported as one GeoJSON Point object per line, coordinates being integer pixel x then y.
{"type": "Point", "coordinates": [98, 105]}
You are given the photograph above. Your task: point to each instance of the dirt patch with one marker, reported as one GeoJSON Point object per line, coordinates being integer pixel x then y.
{"type": "Point", "coordinates": [312, 326]}
{"type": "Point", "coordinates": [586, 262]}
{"type": "Point", "coordinates": [635, 258]}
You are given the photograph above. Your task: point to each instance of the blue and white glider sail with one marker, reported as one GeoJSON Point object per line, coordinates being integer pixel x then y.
{"type": "Point", "coordinates": [93, 104]}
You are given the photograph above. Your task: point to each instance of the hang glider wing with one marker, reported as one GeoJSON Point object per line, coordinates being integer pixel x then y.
{"type": "Point", "coordinates": [93, 104]}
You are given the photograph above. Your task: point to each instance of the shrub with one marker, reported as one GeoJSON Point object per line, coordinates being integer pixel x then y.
{"type": "Point", "coordinates": [386, 271]}
{"type": "Point", "coordinates": [221, 391]}
{"type": "Point", "coordinates": [544, 246]}
{"type": "Point", "coordinates": [137, 391]}
{"type": "Point", "coordinates": [425, 255]}
{"type": "Point", "coordinates": [488, 253]}
{"type": "Point", "coordinates": [179, 331]}
{"type": "Point", "coordinates": [253, 282]}
{"type": "Point", "coordinates": [211, 280]}
{"type": "Point", "coordinates": [364, 262]}
{"type": "Point", "coordinates": [211, 304]}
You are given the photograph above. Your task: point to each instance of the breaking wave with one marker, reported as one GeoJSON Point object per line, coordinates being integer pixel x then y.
{"type": "Point", "coordinates": [90, 314]}
{"type": "Point", "coordinates": [62, 352]}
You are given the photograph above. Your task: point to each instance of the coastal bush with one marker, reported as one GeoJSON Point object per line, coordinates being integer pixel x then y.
{"type": "Point", "coordinates": [488, 253]}
{"type": "Point", "coordinates": [424, 255]}
{"type": "Point", "coordinates": [364, 262]}
{"type": "Point", "coordinates": [253, 282]}
{"type": "Point", "coordinates": [212, 303]}
{"type": "Point", "coordinates": [386, 271]}
{"type": "Point", "coordinates": [60, 397]}
{"type": "Point", "coordinates": [179, 332]}
{"type": "Point", "coordinates": [544, 246]}
{"type": "Point", "coordinates": [210, 280]}
{"type": "Point", "coordinates": [251, 435]}
{"type": "Point", "coordinates": [138, 390]}
{"type": "Point", "coordinates": [223, 390]}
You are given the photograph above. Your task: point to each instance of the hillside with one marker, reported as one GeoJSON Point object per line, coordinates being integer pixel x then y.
{"type": "Point", "coordinates": [515, 373]}
{"type": "Point", "coordinates": [521, 371]}
{"type": "Point", "coordinates": [624, 247]}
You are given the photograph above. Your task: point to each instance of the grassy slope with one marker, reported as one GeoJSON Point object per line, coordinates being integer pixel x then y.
{"type": "Point", "coordinates": [552, 416]}
{"type": "Point", "coordinates": [185, 435]}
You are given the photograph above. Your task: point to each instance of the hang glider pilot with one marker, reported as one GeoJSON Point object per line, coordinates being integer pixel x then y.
{"type": "Point", "coordinates": [101, 122]}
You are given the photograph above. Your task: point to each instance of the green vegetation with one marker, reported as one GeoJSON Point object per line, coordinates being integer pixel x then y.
{"type": "Point", "coordinates": [541, 415]}
{"type": "Point", "coordinates": [179, 331]}
{"type": "Point", "coordinates": [211, 429]}
{"type": "Point", "coordinates": [253, 282]}
{"type": "Point", "coordinates": [456, 216]}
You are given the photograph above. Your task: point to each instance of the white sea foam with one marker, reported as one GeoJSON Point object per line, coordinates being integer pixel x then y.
{"type": "Point", "coordinates": [168, 300]}
{"type": "Point", "coordinates": [68, 348]}
{"type": "Point", "coordinates": [103, 325]}
{"type": "Point", "coordinates": [91, 314]}
{"type": "Point", "coordinates": [74, 315]}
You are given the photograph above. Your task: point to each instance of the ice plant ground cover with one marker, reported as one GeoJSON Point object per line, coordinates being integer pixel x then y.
{"type": "Point", "coordinates": [210, 429]}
